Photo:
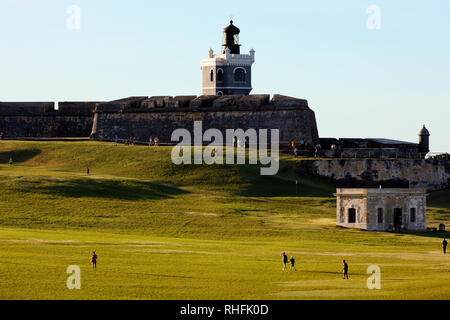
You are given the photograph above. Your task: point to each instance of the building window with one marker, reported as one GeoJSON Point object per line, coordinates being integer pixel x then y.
{"type": "Point", "coordinates": [220, 75]}
{"type": "Point", "coordinates": [211, 75]}
{"type": "Point", "coordinates": [239, 75]}
{"type": "Point", "coordinates": [412, 214]}
{"type": "Point", "coordinates": [380, 215]}
{"type": "Point", "coordinates": [351, 215]}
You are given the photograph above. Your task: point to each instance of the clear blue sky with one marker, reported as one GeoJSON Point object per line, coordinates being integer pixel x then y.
{"type": "Point", "coordinates": [360, 82]}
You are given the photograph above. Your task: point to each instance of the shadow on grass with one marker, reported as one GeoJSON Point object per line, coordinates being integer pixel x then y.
{"type": "Point", "coordinates": [18, 155]}
{"type": "Point", "coordinates": [246, 180]}
{"type": "Point", "coordinates": [245, 212]}
{"type": "Point", "coordinates": [439, 199]}
{"type": "Point", "coordinates": [334, 272]}
{"type": "Point", "coordinates": [108, 189]}
{"type": "Point", "coordinates": [437, 234]}
{"type": "Point", "coordinates": [161, 275]}
{"type": "Point", "coordinates": [272, 186]}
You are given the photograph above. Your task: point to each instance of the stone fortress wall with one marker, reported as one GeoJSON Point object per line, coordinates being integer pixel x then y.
{"type": "Point", "coordinates": [142, 117]}
{"type": "Point", "coordinates": [430, 174]}
{"type": "Point", "coordinates": [42, 120]}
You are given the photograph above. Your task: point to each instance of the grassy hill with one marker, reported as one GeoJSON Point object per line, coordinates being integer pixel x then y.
{"type": "Point", "coordinates": [194, 232]}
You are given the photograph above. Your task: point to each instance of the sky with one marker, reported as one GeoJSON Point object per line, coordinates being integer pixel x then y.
{"type": "Point", "coordinates": [369, 69]}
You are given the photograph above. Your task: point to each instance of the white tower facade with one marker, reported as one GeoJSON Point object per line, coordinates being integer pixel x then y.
{"type": "Point", "coordinates": [228, 72]}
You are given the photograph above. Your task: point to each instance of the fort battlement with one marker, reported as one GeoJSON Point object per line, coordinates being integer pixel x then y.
{"type": "Point", "coordinates": [203, 103]}
{"type": "Point", "coordinates": [158, 116]}
{"type": "Point", "coordinates": [143, 116]}
{"type": "Point", "coordinates": [41, 119]}
{"type": "Point", "coordinates": [66, 108]}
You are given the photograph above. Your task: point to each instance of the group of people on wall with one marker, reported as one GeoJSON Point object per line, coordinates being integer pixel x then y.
{"type": "Point", "coordinates": [131, 141]}
{"type": "Point", "coordinates": [305, 146]}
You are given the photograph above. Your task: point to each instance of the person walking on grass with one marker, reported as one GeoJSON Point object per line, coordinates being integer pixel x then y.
{"type": "Point", "coordinates": [87, 171]}
{"type": "Point", "coordinates": [285, 260]}
{"type": "Point", "coordinates": [10, 161]}
{"type": "Point", "coordinates": [292, 264]}
{"type": "Point", "coordinates": [444, 246]}
{"type": "Point", "coordinates": [345, 269]}
{"type": "Point", "coordinates": [94, 261]}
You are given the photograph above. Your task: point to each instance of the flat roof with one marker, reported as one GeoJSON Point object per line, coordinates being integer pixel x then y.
{"type": "Point", "coordinates": [379, 191]}
{"type": "Point", "coordinates": [390, 141]}
{"type": "Point", "coordinates": [377, 140]}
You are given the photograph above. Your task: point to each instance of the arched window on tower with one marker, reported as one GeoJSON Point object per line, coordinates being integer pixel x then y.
{"type": "Point", "coordinates": [239, 75]}
{"type": "Point", "coordinates": [220, 75]}
{"type": "Point", "coordinates": [211, 75]}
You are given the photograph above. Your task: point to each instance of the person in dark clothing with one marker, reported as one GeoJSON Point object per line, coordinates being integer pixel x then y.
{"type": "Point", "coordinates": [345, 269]}
{"type": "Point", "coordinates": [285, 260]}
{"type": "Point", "coordinates": [444, 246]}
{"type": "Point", "coordinates": [292, 260]}
{"type": "Point", "coordinates": [94, 261]}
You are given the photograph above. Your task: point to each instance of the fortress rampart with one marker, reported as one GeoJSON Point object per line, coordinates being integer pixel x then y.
{"type": "Point", "coordinates": [430, 174]}
{"type": "Point", "coordinates": [158, 116]}
{"type": "Point", "coordinates": [142, 117]}
{"type": "Point", "coordinates": [41, 119]}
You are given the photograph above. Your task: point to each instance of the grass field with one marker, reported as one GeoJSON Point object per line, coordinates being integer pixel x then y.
{"type": "Point", "coordinates": [163, 231]}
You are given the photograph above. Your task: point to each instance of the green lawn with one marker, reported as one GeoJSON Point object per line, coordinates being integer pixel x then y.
{"type": "Point", "coordinates": [163, 231]}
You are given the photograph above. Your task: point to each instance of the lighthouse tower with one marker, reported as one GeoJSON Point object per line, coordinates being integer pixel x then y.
{"type": "Point", "coordinates": [229, 72]}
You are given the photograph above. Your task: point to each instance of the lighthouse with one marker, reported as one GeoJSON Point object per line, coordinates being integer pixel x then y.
{"type": "Point", "coordinates": [228, 72]}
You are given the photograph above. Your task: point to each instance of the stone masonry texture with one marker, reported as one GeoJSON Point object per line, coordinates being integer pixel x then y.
{"type": "Point", "coordinates": [370, 173]}
{"type": "Point", "coordinates": [160, 116]}
{"type": "Point", "coordinates": [40, 119]}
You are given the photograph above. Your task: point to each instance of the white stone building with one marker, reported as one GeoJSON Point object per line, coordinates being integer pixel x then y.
{"type": "Point", "coordinates": [381, 209]}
